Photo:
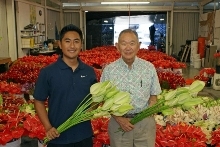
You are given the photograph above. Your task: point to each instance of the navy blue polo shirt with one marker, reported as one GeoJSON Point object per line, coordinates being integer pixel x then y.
{"type": "Point", "coordinates": [65, 89]}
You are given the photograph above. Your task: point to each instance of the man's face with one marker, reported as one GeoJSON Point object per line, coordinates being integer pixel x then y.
{"type": "Point", "coordinates": [71, 45]}
{"type": "Point", "coordinates": [128, 46]}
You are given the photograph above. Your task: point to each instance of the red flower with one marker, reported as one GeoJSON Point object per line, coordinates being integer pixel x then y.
{"type": "Point", "coordinates": [11, 127]}
{"type": "Point", "coordinates": [35, 128]}
{"type": "Point", "coordinates": [217, 55]}
{"type": "Point", "coordinates": [180, 135]}
{"type": "Point", "coordinates": [215, 138]}
{"type": "Point", "coordinates": [100, 127]}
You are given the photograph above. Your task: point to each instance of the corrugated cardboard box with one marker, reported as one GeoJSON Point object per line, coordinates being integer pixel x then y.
{"type": "Point", "coordinates": [25, 42]}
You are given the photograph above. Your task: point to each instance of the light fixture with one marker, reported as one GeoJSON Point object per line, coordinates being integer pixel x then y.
{"type": "Point", "coordinates": [110, 28]}
{"type": "Point", "coordinates": [86, 11]}
{"type": "Point", "coordinates": [124, 3]}
{"type": "Point", "coordinates": [70, 4]}
{"type": "Point", "coordinates": [162, 18]}
{"type": "Point", "coordinates": [105, 21]}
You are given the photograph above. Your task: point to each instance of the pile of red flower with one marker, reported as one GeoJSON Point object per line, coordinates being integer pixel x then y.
{"type": "Point", "coordinates": [11, 126]}
{"type": "Point", "coordinates": [100, 56]}
{"type": "Point", "coordinates": [180, 135]}
{"type": "Point", "coordinates": [205, 74]}
{"type": "Point", "coordinates": [217, 55]}
{"type": "Point", "coordinates": [10, 87]}
{"type": "Point", "coordinates": [170, 80]}
{"type": "Point", "coordinates": [100, 127]}
{"type": "Point", "coordinates": [34, 128]}
{"type": "Point", "coordinates": [27, 68]}
{"type": "Point", "coordinates": [216, 138]}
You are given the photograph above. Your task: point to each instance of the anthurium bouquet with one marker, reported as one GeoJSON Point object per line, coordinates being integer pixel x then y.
{"type": "Point", "coordinates": [104, 99]}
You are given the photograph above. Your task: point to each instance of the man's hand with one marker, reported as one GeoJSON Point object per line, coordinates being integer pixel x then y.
{"type": "Point", "coordinates": [52, 133]}
{"type": "Point", "coordinates": [124, 123]}
{"type": "Point", "coordinates": [152, 100]}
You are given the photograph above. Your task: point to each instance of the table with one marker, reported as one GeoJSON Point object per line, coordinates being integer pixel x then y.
{"type": "Point", "coordinates": [6, 61]}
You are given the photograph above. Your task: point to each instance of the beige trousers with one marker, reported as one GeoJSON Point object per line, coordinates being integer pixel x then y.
{"type": "Point", "coordinates": [143, 134]}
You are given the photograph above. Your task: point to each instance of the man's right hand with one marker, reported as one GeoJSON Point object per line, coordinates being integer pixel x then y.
{"type": "Point", "coordinates": [52, 133]}
{"type": "Point", "coordinates": [124, 123]}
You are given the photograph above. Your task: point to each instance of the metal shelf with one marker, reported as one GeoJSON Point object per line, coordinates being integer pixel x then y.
{"type": "Point", "coordinates": [30, 31]}
{"type": "Point", "coordinates": [31, 36]}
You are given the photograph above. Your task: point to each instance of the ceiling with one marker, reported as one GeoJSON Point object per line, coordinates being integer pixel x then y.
{"type": "Point", "coordinates": [157, 5]}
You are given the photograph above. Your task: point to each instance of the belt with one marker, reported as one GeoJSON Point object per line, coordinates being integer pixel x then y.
{"type": "Point", "coordinates": [130, 115]}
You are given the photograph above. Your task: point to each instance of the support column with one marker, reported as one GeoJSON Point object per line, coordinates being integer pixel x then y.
{"type": "Point", "coordinates": [171, 31]}
{"type": "Point", "coordinates": [12, 41]}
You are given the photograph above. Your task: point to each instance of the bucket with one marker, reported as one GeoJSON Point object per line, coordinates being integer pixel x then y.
{"type": "Point", "coordinates": [203, 62]}
{"type": "Point", "coordinates": [194, 50]}
{"type": "Point", "coordinates": [197, 63]}
{"type": "Point", "coordinates": [196, 56]}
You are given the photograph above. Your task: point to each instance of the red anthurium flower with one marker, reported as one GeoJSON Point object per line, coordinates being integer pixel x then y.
{"type": "Point", "coordinates": [215, 137]}
{"type": "Point", "coordinates": [5, 137]}
{"type": "Point", "coordinates": [17, 132]}
{"type": "Point", "coordinates": [180, 135]}
{"type": "Point", "coordinates": [103, 138]}
{"type": "Point", "coordinates": [35, 128]}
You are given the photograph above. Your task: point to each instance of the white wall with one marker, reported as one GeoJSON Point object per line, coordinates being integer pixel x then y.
{"type": "Point", "coordinates": [203, 29]}
{"type": "Point", "coordinates": [24, 19]}
{"type": "Point", "coordinates": [217, 29]}
{"type": "Point", "coordinates": [185, 27]}
{"type": "Point", "coordinates": [4, 51]}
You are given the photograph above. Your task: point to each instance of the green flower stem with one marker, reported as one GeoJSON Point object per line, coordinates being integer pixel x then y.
{"type": "Point", "coordinates": [147, 113]}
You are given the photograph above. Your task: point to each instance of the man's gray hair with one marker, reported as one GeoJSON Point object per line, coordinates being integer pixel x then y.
{"type": "Point", "coordinates": [128, 31]}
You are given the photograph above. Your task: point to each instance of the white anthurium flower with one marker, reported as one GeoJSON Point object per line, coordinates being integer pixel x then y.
{"type": "Point", "coordinates": [170, 119]}
{"type": "Point", "coordinates": [188, 119]}
{"type": "Point", "coordinates": [178, 116]}
{"type": "Point", "coordinates": [160, 120]}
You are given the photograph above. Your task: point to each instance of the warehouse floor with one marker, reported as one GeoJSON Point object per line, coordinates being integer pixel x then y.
{"type": "Point", "coordinates": [189, 72]}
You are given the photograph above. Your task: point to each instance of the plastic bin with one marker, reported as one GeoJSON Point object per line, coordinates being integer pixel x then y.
{"type": "Point", "coordinates": [197, 63]}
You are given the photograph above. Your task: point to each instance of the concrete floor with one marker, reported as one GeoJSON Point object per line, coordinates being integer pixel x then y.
{"type": "Point", "coordinates": [190, 72]}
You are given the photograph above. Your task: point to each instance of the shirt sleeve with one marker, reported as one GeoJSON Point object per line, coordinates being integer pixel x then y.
{"type": "Point", "coordinates": [42, 87]}
{"type": "Point", "coordinates": [155, 85]}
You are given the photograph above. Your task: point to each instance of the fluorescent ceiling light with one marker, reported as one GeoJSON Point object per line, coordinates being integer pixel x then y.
{"type": "Point", "coordinates": [162, 19]}
{"type": "Point", "coordinates": [115, 3]}
{"type": "Point", "coordinates": [86, 11]}
{"type": "Point", "coordinates": [106, 21]}
{"type": "Point", "coordinates": [70, 4]}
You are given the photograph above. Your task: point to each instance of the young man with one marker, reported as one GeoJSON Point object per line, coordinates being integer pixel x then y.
{"type": "Point", "coordinates": [65, 83]}
{"type": "Point", "coordinates": [139, 78]}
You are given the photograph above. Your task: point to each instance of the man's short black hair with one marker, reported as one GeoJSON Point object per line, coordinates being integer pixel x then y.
{"type": "Point", "coordinates": [68, 28]}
